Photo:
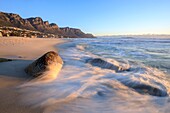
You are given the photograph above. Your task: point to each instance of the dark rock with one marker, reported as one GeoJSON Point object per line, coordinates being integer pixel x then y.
{"type": "Point", "coordinates": [4, 60]}
{"type": "Point", "coordinates": [49, 61]}
{"type": "Point", "coordinates": [150, 90]}
{"type": "Point", "coordinates": [106, 65]}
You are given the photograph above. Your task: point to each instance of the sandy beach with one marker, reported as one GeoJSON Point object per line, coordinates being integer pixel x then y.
{"type": "Point", "coordinates": [88, 81]}
{"type": "Point", "coordinates": [22, 51]}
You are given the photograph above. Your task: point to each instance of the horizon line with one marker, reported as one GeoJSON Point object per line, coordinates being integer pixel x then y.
{"type": "Point", "coordinates": [136, 35]}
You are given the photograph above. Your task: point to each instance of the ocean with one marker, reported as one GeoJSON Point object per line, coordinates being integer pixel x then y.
{"type": "Point", "coordinates": [107, 75]}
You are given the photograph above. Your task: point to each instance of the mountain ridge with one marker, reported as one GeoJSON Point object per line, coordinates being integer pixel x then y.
{"type": "Point", "coordinates": [38, 24]}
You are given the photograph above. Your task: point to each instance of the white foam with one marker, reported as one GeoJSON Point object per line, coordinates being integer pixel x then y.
{"type": "Point", "coordinates": [83, 88]}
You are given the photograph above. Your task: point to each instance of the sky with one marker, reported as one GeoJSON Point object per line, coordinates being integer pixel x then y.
{"type": "Point", "coordinates": [100, 17]}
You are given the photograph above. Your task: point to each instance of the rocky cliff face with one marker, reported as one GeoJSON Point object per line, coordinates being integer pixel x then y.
{"type": "Point", "coordinates": [73, 32]}
{"type": "Point", "coordinates": [14, 20]}
{"type": "Point", "coordinates": [44, 26]}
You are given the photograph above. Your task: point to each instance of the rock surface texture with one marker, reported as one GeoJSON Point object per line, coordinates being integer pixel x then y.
{"type": "Point", "coordinates": [50, 62]}
{"type": "Point", "coordinates": [98, 62]}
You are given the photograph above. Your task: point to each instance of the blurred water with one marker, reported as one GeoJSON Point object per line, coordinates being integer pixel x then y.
{"type": "Point", "coordinates": [83, 88]}
{"type": "Point", "coordinates": [152, 52]}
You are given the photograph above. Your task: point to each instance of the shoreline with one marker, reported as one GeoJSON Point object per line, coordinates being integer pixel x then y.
{"type": "Point", "coordinates": [22, 51]}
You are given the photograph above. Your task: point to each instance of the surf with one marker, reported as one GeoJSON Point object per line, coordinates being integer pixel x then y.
{"type": "Point", "coordinates": [89, 80]}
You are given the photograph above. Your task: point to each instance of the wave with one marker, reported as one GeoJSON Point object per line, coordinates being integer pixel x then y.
{"type": "Point", "coordinates": [91, 83]}
{"type": "Point", "coordinates": [81, 47]}
{"type": "Point", "coordinates": [141, 79]}
{"type": "Point", "coordinates": [138, 77]}
{"type": "Point", "coordinates": [80, 87]}
{"type": "Point", "coordinates": [145, 80]}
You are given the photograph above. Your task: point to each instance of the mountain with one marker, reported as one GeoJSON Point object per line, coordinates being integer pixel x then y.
{"type": "Point", "coordinates": [37, 24]}
{"type": "Point", "coordinates": [73, 32]}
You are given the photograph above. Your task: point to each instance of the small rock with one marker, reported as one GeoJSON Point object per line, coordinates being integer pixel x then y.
{"type": "Point", "coordinates": [106, 65]}
{"type": "Point", "coordinates": [4, 60]}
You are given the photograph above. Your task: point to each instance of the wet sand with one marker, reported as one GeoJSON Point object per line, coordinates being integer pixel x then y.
{"type": "Point", "coordinates": [23, 51]}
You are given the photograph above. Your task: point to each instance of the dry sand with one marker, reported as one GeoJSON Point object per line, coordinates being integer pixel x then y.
{"type": "Point", "coordinates": [12, 74]}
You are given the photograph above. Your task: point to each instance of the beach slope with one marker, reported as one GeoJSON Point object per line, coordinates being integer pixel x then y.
{"type": "Point", "coordinates": [22, 51]}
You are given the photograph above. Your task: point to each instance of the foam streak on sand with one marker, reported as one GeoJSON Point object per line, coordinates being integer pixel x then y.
{"type": "Point", "coordinates": [23, 51]}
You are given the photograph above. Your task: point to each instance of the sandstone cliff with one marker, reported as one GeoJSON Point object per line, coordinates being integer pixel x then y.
{"type": "Point", "coordinates": [37, 24]}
